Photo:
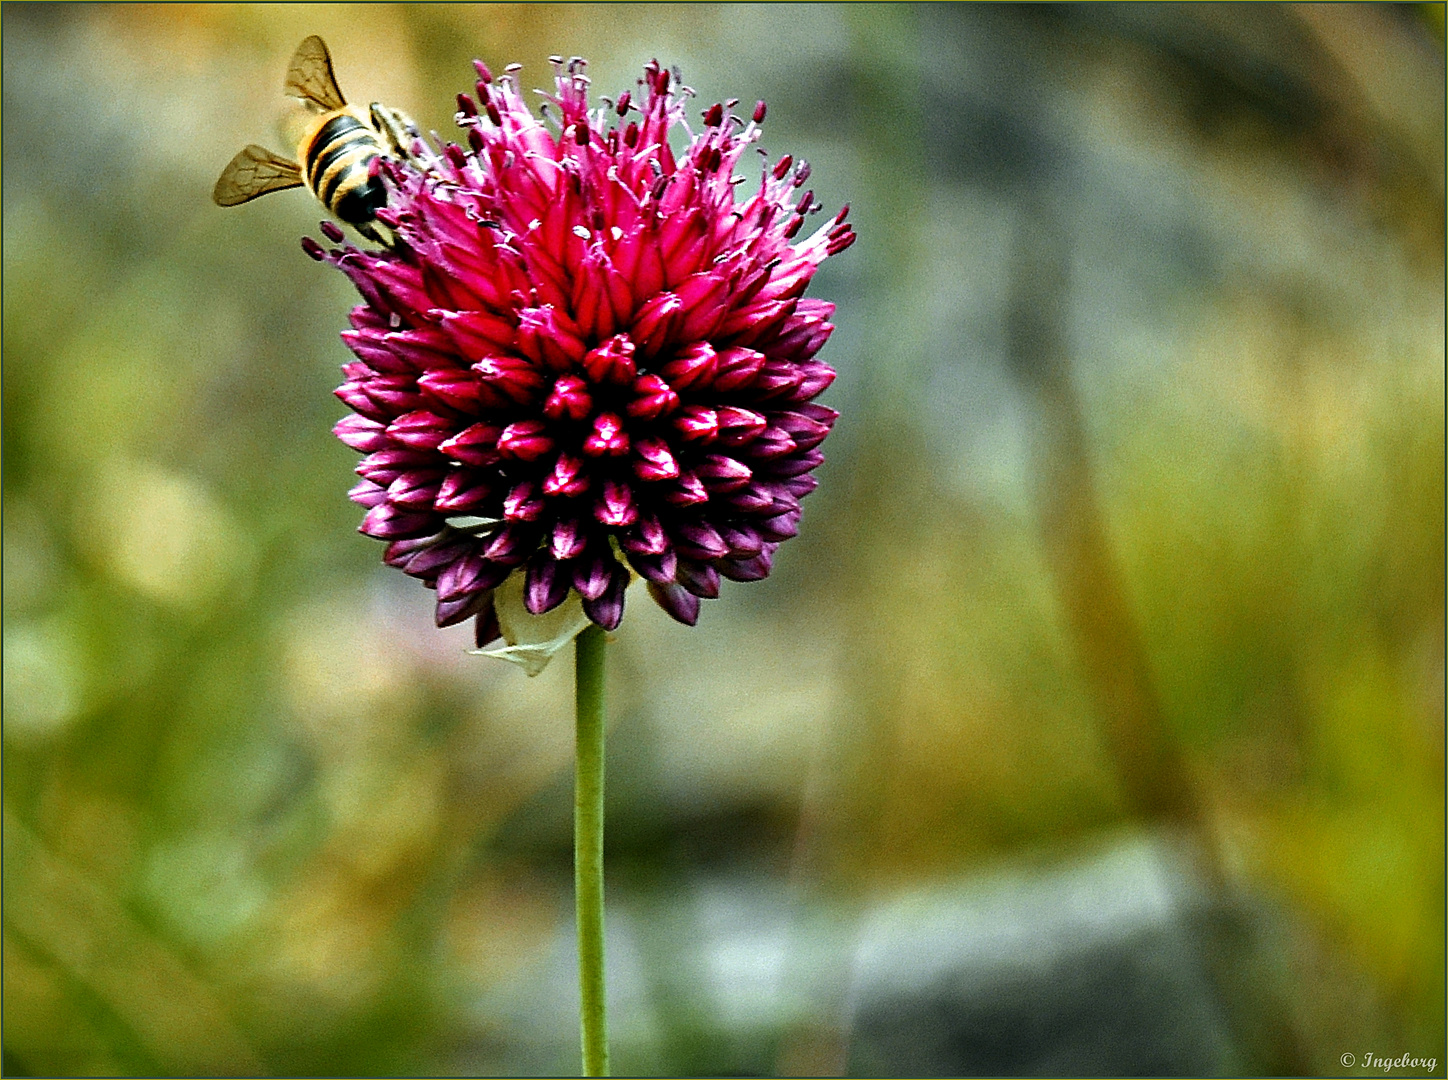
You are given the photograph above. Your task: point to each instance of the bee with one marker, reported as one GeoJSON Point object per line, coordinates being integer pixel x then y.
{"type": "Point", "coordinates": [337, 145]}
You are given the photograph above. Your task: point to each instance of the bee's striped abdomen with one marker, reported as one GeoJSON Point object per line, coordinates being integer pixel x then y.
{"type": "Point", "coordinates": [337, 166]}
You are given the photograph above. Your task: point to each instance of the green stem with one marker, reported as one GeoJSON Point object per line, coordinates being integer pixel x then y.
{"type": "Point", "coordinates": [588, 849]}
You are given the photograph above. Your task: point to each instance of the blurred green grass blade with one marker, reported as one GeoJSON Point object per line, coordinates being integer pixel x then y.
{"type": "Point", "coordinates": [174, 1015]}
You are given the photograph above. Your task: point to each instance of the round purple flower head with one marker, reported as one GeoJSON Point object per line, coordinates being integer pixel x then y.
{"type": "Point", "coordinates": [583, 354]}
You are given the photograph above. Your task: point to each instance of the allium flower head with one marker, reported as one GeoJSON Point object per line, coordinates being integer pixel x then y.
{"type": "Point", "coordinates": [584, 354]}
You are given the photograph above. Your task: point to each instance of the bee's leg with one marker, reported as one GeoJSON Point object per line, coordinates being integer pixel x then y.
{"type": "Point", "coordinates": [381, 234]}
{"type": "Point", "coordinates": [375, 232]}
{"type": "Point", "coordinates": [397, 128]}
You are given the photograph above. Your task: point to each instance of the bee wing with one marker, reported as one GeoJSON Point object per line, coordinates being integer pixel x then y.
{"type": "Point", "coordinates": [310, 75]}
{"type": "Point", "coordinates": [255, 171]}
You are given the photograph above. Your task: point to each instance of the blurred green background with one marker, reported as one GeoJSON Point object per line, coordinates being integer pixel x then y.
{"type": "Point", "coordinates": [1127, 567]}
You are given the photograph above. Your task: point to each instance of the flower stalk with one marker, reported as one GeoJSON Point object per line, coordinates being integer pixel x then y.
{"type": "Point", "coordinates": [588, 848]}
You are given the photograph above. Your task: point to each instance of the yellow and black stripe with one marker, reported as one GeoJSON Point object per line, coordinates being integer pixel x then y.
{"type": "Point", "coordinates": [337, 165]}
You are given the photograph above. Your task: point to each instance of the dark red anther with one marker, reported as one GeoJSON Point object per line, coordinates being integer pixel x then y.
{"type": "Point", "coordinates": [332, 231]}
{"type": "Point", "coordinates": [759, 112]}
{"type": "Point", "coordinates": [312, 248]}
{"type": "Point", "coordinates": [622, 107]}
{"type": "Point", "coordinates": [580, 134]}
{"type": "Point", "coordinates": [782, 166]}
{"type": "Point", "coordinates": [631, 135]}
{"type": "Point", "coordinates": [475, 140]}
{"type": "Point", "coordinates": [714, 157]}
{"type": "Point", "coordinates": [484, 75]}
{"type": "Point", "coordinates": [714, 116]}
{"type": "Point", "coordinates": [494, 115]}
{"type": "Point", "coordinates": [456, 157]}
{"type": "Point", "coordinates": [467, 106]}
{"type": "Point", "coordinates": [793, 227]}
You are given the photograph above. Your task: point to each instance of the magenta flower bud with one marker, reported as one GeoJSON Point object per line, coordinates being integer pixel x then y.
{"type": "Point", "coordinates": [612, 361]}
{"type": "Point", "coordinates": [568, 477]}
{"type": "Point", "coordinates": [458, 390]}
{"type": "Point", "coordinates": [361, 434]}
{"type": "Point", "coordinates": [421, 430]}
{"type": "Point", "coordinates": [579, 345]}
{"type": "Point", "coordinates": [452, 612]}
{"type": "Point", "coordinates": [793, 465]}
{"type": "Point", "coordinates": [722, 474]}
{"type": "Point", "coordinates": [607, 609]}
{"type": "Point", "coordinates": [806, 432]}
{"type": "Point", "coordinates": [366, 493]}
{"type": "Point", "coordinates": [546, 585]}
{"type": "Point", "coordinates": [777, 529]}
{"type": "Point", "coordinates": [742, 541]}
{"type": "Point", "coordinates": [737, 367]}
{"type": "Point", "coordinates": [654, 461]}
{"type": "Point", "coordinates": [460, 577]}
{"type": "Point", "coordinates": [570, 398]}
{"type": "Point", "coordinates": [475, 445]}
{"type": "Point", "coordinates": [461, 492]}
{"type": "Point", "coordinates": [653, 398]}
{"type": "Point", "coordinates": [772, 442]}
{"type": "Point", "coordinates": [699, 578]}
{"type": "Point", "coordinates": [523, 503]}
{"type": "Point", "coordinates": [616, 508]}
{"type": "Point", "coordinates": [510, 545]}
{"type": "Point", "coordinates": [659, 569]}
{"type": "Point", "coordinates": [695, 423]}
{"type": "Point", "coordinates": [655, 322]}
{"type": "Point", "coordinates": [400, 553]}
{"type": "Point", "coordinates": [386, 522]}
{"type": "Point", "coordinates": [750, 501]}
{"type": "Point", "coordinates": [648, 538]}
{"type": "Point", "coordinates": [568, 539]}
{"type": "Point", "coordinates": [593, 573]}
{"type": "Point", "coordinates": [776, 379]}
{"type": "Point", "coordinates": [755, 568]}
{"type": "Point", "coordinates": [739, 427]}
{"type": "Point", "coordinates": [677, 601]}
{"type": "Point", "coordinates": [695, 365]}
{"type": "Point", "coordinates": [549, 337]}
{"type": "Point", "coordinates": [700, 540]}
{"type": "Point", "coordinates": [607, 438]}
{"type": "Point", "coordinates": [510, 379]}
{"type": "Point", "coordinates": [385, 466]}
{"type": "Point", "coordinates": [415, 489]}
{"type": "Point", "coordinates": [687, 490]}
{"type": "Point", "coordinates": [526, 440]}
